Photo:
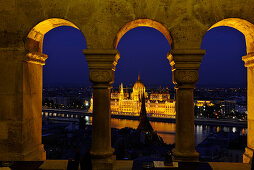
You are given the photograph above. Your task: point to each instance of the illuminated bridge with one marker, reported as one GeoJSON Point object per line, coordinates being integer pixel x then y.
{"type": "Point", "coordinates": [74, 115]}
{"type": "Point", "coordinates": [67, 115]}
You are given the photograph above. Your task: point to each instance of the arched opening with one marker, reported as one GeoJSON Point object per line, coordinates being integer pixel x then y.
{"type": "Point", "coordinates": [35, 37]}
{"type": "Point", "coordinates": [241, 25]}
{"type": "Point", "coordinates": [67, 66]}
{"type": "Point", "coordinates": [66, 87]}
{"type": "Point", "coordinates": [240, 31]}
{"type": "Point", "coordinates": [143, 45]}
{"type": "Point", "coordinates": [142, 23]}
{"type": "Point", "coordinates": [223, 63]}
{"type": "Point", "coordinates": [36, 42]}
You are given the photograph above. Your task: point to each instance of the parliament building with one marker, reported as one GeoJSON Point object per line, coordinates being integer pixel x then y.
{"type": "Point", "coordinates": [157, 104]}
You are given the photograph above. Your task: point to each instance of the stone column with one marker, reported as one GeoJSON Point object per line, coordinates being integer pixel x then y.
{"type": "Point", "coordinates": [249, 63]}
{"type": "Point", "coordinates": [185, 64]}
{"type": "Point", "coordinates": [21, 105]}
{"type": "Point", "coordinates": [101, 64]}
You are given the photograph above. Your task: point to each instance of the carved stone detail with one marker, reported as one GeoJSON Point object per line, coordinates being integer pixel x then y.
{"type": "Point", "coordinates": [101, 64]}
{"type": "Point", "coordinates": [101, 76]}
{"type": "Point", "coordinates": [36, 58]}
{"type": "Point", "coordinates": [249, 60]}
{"type": "Point", "coordinates": [185, 76]}
{"type": "Point", "coordinates": [185, 64]}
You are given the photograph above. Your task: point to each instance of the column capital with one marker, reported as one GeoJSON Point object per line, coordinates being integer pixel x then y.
{"type": "Point", "coordinates": [36, 58]}
{"type": "Point", "coordinates": [101, 64]}
{"type": "Point", "coordinates": [185, 59]}
{"type": "Point", "coordinates": [249, 60]}
{"type": "Point", "coordinates": [185, 64]}
{"type": "Point", "coordinates": [20, 54]}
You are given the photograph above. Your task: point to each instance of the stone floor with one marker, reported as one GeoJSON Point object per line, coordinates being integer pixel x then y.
{"type": "Point", "coordinates": [229, 166]}
{"type": "Point", "coordinates": [128, 165]}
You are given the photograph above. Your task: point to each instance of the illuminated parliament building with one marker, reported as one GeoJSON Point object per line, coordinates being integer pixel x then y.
{"type": "Point", "coordinates": [125, 103]}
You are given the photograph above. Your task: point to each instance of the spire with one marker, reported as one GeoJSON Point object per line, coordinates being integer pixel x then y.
{"type": "Point", "coordinates": [144, 124]}
{"type": "Point", "coordinates": [143, 105]}
{"type": "Point", "coordinates": [138, 77]}
{"type": "Point", "coordinates": [121, 97]}
{"type": "Point", "coordinates": [121, 86]}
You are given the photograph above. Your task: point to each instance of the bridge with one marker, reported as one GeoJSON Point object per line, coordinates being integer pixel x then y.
{"type": "Point", "coordinates": [64, 115]}
{"type": "Point", "coordinates": [74, 116]}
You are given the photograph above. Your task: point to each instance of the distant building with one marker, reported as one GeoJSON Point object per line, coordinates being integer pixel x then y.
{"type": "Point", "coordinates": [227, 106]}
{"type": "Point", "coordinates": [201, 106]}
{"type": "Point", "coordinates": [241, 108]}
{"type": "Point", "coordinates": [202, 103]}
{"type": "Point", "coordinates": [157, 104]}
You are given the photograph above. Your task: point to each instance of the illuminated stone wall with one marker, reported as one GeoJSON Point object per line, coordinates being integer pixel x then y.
{"type": "Point", "coordinates": [103, 23]}
{"type": "Point", "coordinates": [100, 21]}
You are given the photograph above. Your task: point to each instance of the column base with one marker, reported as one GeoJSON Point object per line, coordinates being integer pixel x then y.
{"type": "Point", "coordinates": [104, 163]}
{"type": "Point", "coordinates": [247, 156]}
{"type": "Point", "coordinates": [35, 154]}
{"type": "Point", "coordinates": [100, 155]}
{"type": "Point", "coordinates": [185, 156]}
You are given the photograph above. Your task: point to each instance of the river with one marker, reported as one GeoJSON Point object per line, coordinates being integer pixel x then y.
{"type": "Point", "coordinates": [167, 130]}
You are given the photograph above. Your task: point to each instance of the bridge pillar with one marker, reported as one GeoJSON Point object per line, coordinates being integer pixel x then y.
{"type": "Point", "coordinates": [101, 64]}
{"type": "Point", "coordinates": [185, 64]}
{"type": "Point", "coordinates": [249, 63]}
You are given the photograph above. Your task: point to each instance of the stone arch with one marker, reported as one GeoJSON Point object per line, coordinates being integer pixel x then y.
{"type": "Point", "coordinates": [142, 23]}
{"type": "Point", "coordinates": [247, 29]}
{"type": "Point", "coordinates": [34, 42]}
{"type": "Point", "coordinates": [31, 80]}
{"type": "Point", "coordinates": [241, 25]}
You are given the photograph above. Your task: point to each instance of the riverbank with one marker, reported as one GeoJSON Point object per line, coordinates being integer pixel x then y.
{"type": "Point", "coordinates": [198, 121]}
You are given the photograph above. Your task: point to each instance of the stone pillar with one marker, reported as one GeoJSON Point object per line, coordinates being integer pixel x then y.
{"type": "Point", "coordinates": [185, 64]}
{"type": "Point", "coordinates": [249, 63]}
{"type": "Point", "coordinates": [101, 64]}
{"type": "Point", "coordinates": [21, 105]}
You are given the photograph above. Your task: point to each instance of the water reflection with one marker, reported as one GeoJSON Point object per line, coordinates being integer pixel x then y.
{"type": "Point", "coordinates": [167, 130]}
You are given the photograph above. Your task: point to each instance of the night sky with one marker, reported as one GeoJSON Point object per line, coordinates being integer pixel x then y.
{"type": "Point", "coordinates": [143, 51]}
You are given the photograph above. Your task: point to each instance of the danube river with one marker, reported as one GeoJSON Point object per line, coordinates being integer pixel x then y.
{"type": "Point", "coordinates": [167, 130]}
{"type": "Point", "coordinates": [164, 129]}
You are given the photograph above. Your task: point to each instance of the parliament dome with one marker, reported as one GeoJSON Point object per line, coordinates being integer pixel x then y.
{"type": "Point", "coordinates": [138, 90]}
{"type": "Point", "coordinates": [139, 84]}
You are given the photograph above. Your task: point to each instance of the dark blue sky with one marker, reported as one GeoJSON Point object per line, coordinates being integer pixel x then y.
{"type": "Point", "coordinates": [143, 51]}
{"type": "Point", "coordinates": [222, 66]}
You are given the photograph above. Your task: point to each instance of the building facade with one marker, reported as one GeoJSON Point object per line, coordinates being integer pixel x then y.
{"type": "Point", "coordinates": [125, 103]}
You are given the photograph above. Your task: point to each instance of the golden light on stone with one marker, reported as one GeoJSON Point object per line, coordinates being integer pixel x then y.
{"type": "Point", "coordinates": [21, 78]}
{"type": "Point", "coordinates": [142, 23]}
{"type": "Point", "coordinates": [247, 29]}
{"type": "Point", "coordinates": [241, 25]}
{"type": "Point", "coordinates": [36, 58]}
{"type": "Point", "coordinates": [35, 37]}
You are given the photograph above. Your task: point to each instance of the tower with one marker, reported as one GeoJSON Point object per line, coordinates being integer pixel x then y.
{"type": "Point", "coordinates": [138, 90]}
{"type": "Point", "coordinates": [121, 96]}
{"type": "Point", "coordinates": [144, 124]}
